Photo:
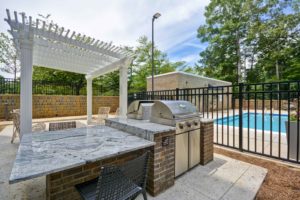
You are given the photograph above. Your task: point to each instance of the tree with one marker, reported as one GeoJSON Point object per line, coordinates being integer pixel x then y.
{"type": "Point", "coordinates": [142, 66]}
{"type": "Point", "coordinates": [8, 56]}
{"type": "Point", "coordinates": [108, 83]}
{"type": "Point", "coordinates": [59, 77]}
{"type": "Point", "coordinates": [279, 39]}
{"type": "Point", "coordinates": [249, 39]}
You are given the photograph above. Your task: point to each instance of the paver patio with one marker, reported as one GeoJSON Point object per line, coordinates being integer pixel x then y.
{"type": "Point", "coordinates": [224, 178]}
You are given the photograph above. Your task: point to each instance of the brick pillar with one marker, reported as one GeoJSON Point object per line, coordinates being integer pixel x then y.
{"type": "Point", "coordinates": [162, 163]}
{"type": "Point", "coordinates": [206, 141]}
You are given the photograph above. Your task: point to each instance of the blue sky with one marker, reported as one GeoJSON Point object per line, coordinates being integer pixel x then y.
{"type": "Point", "coordinates": [123, 21]}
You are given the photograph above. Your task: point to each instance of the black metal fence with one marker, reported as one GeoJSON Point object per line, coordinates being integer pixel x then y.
{"type": "Point", "coordinates": [260, 118]}
{"type": "Point", "coordinates": [12, 86]}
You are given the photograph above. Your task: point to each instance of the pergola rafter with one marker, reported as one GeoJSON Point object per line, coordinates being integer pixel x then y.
{"type": "Point", "coordinates": [49, 45]}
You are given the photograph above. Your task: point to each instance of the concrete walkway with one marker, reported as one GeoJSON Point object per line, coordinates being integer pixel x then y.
{"type": "Point", "coordinates": [224, 178]}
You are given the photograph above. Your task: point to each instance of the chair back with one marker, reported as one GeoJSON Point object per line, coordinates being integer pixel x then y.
{"type": "Point", "coordinates": [137, 169]}
{"type": "Point", "coordinates": [103, 110]}
{"type": "Point", "coordinates": [61, 125]}
{"type": "Point", "coordinates": [16, 119]}
{"type": "Point", "coordinates": [103, 113]}
{"type": "Point", "coordinates": [114, 181]}
{"type": "Point", "coordinates": [117, 113]}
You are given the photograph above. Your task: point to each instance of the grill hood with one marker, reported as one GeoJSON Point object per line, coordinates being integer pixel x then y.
{"type": "Point", "coordinates": [168, 112]}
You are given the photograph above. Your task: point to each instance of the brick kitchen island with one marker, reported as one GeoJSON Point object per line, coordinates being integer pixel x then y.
{"type": "Point", "coordinates": [73, 156]}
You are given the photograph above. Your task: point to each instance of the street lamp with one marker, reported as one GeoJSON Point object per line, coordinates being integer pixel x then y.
{"type": "Point", "coordinates": [155, 16]}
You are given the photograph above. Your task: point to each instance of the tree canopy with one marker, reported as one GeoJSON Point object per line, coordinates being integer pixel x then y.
{"type": "Point", "coordinates": [141, 67]}
{"type": "Point", "coordinates": [8, 56]}
{"type": "Point", "coordinates": [251, 40]}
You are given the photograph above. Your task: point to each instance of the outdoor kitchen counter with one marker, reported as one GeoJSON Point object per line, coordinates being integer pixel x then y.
{"type": "Point", "coordinates": [141, 128]}
{"type": "Point", "coordinates": [49, 152]}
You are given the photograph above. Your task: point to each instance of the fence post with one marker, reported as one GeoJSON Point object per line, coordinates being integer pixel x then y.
{"type": "Point", "coordinates": [241, 116]}
{"type": "Point", "coordinates": [177, 93]}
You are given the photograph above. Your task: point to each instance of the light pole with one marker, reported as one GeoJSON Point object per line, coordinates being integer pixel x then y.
{"type": "Point", "coordinates": [155, 16]}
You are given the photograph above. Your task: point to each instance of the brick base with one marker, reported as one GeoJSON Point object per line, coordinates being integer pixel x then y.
{"type": "Point", "coordinates": [161, 172]}
{"type": "Point", "coordinates": [206, 141]}
{"type": "Point", "coordinates": [60, 185]}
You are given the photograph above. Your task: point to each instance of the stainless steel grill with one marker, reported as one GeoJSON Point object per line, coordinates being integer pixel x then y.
{"type": "Point", "coordinates": [185, 117]}
{"type": "Point", "coordinates": [140, 109]}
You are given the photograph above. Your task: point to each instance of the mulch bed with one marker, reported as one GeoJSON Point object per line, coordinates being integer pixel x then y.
{"type": "Point", "coordinates": [282, 181]}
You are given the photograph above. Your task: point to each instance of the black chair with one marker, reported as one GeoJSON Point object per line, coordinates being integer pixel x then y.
{"type": "Point", "coordinates": [118, 182]}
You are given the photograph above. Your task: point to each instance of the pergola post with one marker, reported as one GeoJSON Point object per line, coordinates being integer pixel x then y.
{"type": "Point", "coordinates": [89, 101]}
{"type": "Point", "coordinates": [26, 55]}
{"type": "Point", "coordinates": [123, 91]}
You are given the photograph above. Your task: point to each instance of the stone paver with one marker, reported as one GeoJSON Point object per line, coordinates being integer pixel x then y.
{"type": "Point", "coordinates": [224, 178]}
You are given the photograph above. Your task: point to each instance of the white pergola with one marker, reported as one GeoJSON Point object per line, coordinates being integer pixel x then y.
{"type": "Point", "coordinates": [42, 44]}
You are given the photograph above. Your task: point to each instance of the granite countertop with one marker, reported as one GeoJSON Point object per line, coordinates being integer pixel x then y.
{"type": "Point", "coordinates": [142, 128]}
{"type": "Point", "coordinates": [48, 152]}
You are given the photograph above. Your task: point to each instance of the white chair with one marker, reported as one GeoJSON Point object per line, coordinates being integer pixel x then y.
{"type": "Point", "coordinates": [117, 113]}
{"type": "Point", "coordinates": [103, 113]}
{"type": "Point", "coordinates": [16, 125]}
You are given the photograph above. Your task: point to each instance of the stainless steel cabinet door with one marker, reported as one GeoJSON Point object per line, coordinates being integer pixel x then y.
{"type": "Point", "coordinates": [181, 153]}
{"type": "Point", "coordinates": [194, 148]}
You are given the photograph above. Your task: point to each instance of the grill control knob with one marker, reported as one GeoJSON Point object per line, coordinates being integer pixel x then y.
{"type": "Point", "coordinates": [195, 123]}
{"type": "Point", "coordinates": [188, 124]}
{"type": "Point", "coordinates": [180, 125]}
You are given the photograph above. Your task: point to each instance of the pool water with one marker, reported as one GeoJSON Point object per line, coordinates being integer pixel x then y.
{"type": "Point", "coordinates": [276, 119]}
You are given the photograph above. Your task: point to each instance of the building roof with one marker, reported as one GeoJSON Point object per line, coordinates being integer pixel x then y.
{"type": "Point", "coordinates": [189, 74]}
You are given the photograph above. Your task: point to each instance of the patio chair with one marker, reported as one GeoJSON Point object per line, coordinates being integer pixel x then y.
{"type": "Point", "coordinates": [16, 125]}
{"type": "Point", "coordinates": [118, 182]}
{"type": "Point", "coordinates": [117, 113]}
{"type": "Point", "coordinates": [103, 113]}
{"type": "Point", "coordinates": [61, 125]}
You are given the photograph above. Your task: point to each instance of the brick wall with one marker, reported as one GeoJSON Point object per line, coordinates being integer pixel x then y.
{"type": "Point", "coordinates": [58, 105]}
{"type": "Point", "coordinates": [60, 185]}
{"type": "Point", "coordinates": [206, 141]}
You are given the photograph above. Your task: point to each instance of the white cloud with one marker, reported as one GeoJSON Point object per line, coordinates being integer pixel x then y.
{"type": "Point", "coordinates": [121, 21]}
{"type": "Point", "coordinates": [189, 59]}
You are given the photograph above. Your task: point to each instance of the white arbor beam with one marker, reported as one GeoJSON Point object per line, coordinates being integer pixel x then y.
{"type": "Point", "coordinates": [108, 68]}
{"type": "Point", "coordinates": [89, 95]}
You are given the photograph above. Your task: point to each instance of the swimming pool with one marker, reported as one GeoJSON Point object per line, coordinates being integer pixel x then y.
{"type": "Point", "coordinates": [276, 119]}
